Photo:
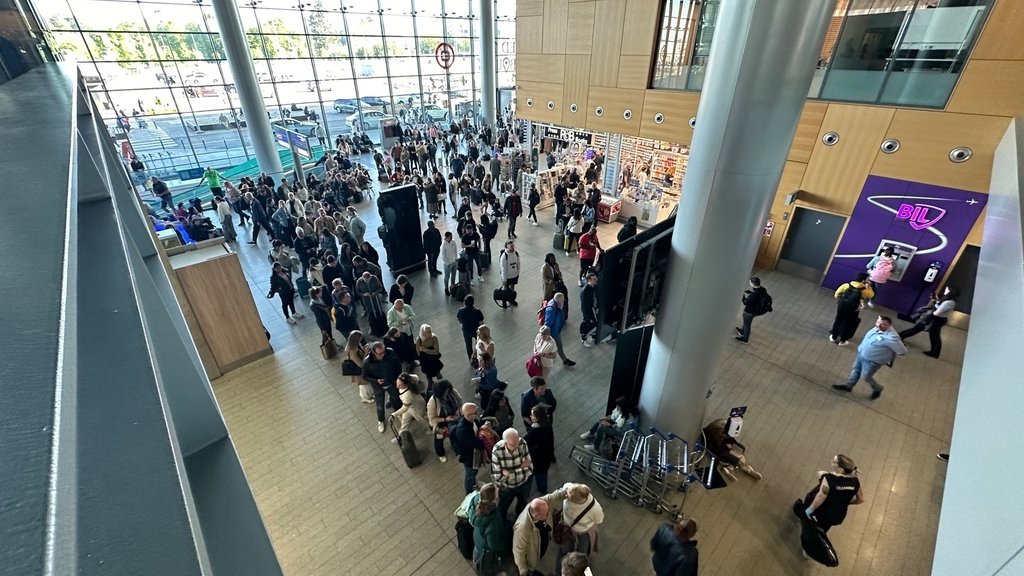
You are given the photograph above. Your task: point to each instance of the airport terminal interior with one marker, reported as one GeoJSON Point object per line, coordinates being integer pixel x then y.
{"type": "Point", "coordinates": [173, 415]}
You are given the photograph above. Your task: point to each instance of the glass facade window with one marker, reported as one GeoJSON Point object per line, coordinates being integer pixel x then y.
{"type": "Point", "coordinates": [898, 52]}
{"type": "Point", "coordinates": [166, 93]}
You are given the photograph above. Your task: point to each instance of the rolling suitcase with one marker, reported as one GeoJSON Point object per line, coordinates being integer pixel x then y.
{"type": "Point", "coordinates": [464, 537]}
{"type": "Point", "coordinates": [485, 260]}
{"type": "Point", "coordinates": [558, 243]}
{"type": "Point", "coordinates": [407, 444]}
{"type": "Point", "coordinates": [302, 285]}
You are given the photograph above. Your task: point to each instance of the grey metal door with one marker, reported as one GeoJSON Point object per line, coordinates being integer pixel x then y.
{"type": "Point", "coordinates": [810, 239]}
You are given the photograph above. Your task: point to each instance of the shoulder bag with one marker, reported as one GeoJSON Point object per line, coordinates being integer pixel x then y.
{"type": "Point", "coordinates": [562, 532]}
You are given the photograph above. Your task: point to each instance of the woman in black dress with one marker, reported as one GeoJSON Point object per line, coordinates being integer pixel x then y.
{"type": "Point", "coordinates": [826, 504]}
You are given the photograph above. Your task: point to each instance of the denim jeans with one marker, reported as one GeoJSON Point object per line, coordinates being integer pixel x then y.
{"type": "Point", "coordinates": [378, 398]}
{"type": "Point", "coordinates": [747, 319]}
{"type": "Point", "coordinates": [468, 477]}
{"type": "Point", "coordinates": [864, 368]}
{"type": "Point", "coordinates": [449, 274]}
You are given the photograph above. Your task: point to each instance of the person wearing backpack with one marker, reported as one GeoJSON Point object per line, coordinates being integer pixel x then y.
{"type": "Point", "coordinates": [880, 269]}
{"type": "Point", "coordinates": [756, 302]}
{"type": "Point", "coordinates": [850, 299]}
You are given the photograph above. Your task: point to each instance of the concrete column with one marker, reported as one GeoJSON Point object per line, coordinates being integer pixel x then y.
{"type": "Point", "coordinates": [237, 50]}
{"type": "Point", "coordinates": [761, 64]}
{"type": "Point", "coordinates": [488, 77]}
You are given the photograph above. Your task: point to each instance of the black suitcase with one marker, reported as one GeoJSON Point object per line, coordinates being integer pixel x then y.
{"type": "Point", "coordinates": [407, 444]}
{"type": "Point", "coordinates": [503, 295]}
{"type": "Point", "coordinates": [485, 260]}
{"type": "Point", "coordinates": [357, 197]}
{"type": "Point", "coordinates": [558, 243]}
{"type": "Point", "coordinates": [464, 537]}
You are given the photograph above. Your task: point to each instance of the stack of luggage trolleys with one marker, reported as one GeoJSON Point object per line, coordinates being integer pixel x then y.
{"type": "Point", "coordinates": [647, 470]}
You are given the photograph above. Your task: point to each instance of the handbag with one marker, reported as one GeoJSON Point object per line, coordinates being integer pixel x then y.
{"type": "Point", "coordinates": [562, 532]}
{"type": "Point", "coordinates": [533, 366]}
{"type": "Point", "coordinates": [350, 368]}
{"type": "Point", "coordinates": [329, 349]}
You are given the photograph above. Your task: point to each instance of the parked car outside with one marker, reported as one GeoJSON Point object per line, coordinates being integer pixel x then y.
{"type": "Point", "coordinates": [433, 113]}
{"type": "Point", "coordinates": [346, 105]}
{"type": "Point", "coordinates": [304, 128]}
{"type": "Point", "coordinates": [371, 120]}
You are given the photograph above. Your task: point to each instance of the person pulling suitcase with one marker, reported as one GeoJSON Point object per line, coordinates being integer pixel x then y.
{"type": "Point", "coordinates": [825, 506]}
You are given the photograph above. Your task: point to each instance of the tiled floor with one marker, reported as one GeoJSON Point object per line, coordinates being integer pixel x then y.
{"type": "Point", "coordinates": [337, 498]}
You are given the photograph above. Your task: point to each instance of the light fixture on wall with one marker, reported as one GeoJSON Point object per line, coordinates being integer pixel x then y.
{"type": "Point", "coordinates": [960, 154]}
{"type": "Point", "coordinates": [573, 107]}
{"type": "Point", "coordinates": [692, 122]}
{"type": "Point", "coordinates": [659, 118]}
{"type": "Point", "coordinates": [830, 138]}
{"type": "Point", "coordinates": [890, 146]}
{"type": "Point", "coordinates": [599, 111]}
{"type": "Point", "coordinates": [627, 114]}
{"type": "Point", "coordinates": [529, 102]}
{"type": "Point", "coordinates": [551, 104]}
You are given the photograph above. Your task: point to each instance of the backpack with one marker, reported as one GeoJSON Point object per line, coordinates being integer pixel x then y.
{"type": "Point", "coordinates": [764, 306]}
{"type": "Point", "coordinates": [882, 270]}
{"type": "Point", "coordinates": [850, 298]}
{"type": "Point", "coordinates": [542, 313]}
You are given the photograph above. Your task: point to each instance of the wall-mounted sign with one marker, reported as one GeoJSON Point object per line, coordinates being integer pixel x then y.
{"type": "Point", "coordinates": [768, 227]}
{"type": "Point", "coordinates": [444, 54]}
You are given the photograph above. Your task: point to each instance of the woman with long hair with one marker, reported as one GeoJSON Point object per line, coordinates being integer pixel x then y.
{"type": "Point", "coordinates": [356, 351]}
{"type": "Point", "coordinates": [486, 379]}
{"type": "Point", "coordinates": [443, 409]}
{"type": "Point", "coordinates": [499, 408]}
{"type": "Point", "coordinates": [484, 344]}
{"type": "Point", "coordinates": [429, 351]}
{"type": "Point", "coordinates": [551, 276]}
{"type": "Point", "coordinates": [541, 440]}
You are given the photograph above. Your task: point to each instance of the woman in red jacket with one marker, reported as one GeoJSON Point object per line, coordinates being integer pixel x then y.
{"type": "Point", "coordinates": [589, 248]}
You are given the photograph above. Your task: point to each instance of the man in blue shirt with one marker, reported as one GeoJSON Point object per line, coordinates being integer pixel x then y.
{"type": "Point", "coordinates": [554, 319]}
{"type": "Point", "coordinates": [880, 346]}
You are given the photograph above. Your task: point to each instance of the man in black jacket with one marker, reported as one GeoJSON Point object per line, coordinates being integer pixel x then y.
{"type": "Point", "coordinates": [305, 248]}
{"type": "Point", "coordinates": [756, 302]}
{"type": "Point", "coordinates": [537, 394]}
{"type": "Point", "coordinates": [465, 440]}
{"type": "Point", "coordinates": [432, 246]}
{"type": "Point", "coordinates": [380, 370]}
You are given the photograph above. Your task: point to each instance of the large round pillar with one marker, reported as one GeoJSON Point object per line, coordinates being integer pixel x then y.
{"type": "Point", "coordinates": [237, 50]}
{"type": "Point", "coordinates": [488, 77]}
{"type": "Point", "coordinates": [761, 64]}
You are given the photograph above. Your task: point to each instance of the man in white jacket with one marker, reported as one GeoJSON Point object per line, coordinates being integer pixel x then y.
{"type": "Point", "coordinates": [508, 265]}
{"type": "Point", "coordinates": [449, 258]}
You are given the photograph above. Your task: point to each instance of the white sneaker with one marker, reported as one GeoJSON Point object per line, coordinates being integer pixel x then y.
{"type": "Point", "coordinates": [394, 440]}
{"type": "Point", "coordinates": [290, 320]}
{"type": "Point", "coordinates": [442, 459]}
{"type": "Point", "coordinates": [365, 401]}
{"type": "Point", "coordinates": [831, 339]}
{"type": "Point", "coordinates": [844, 343]}
{"type": "Point", "coordinates": [587, 344]}
{"type": "Point", "coordinates": [380, 427]}
{"type": "Point", "coordinates": [567, 253]}
{"type": "Point", "coordinates": [297, 315]}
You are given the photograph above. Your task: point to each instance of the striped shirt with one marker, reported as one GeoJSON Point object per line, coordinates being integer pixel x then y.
{"type": "Point", "coordinates": [503, 459]}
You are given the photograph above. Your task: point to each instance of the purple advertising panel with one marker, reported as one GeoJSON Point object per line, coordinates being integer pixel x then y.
{"type": "Point", "coordinates": [926, 225]}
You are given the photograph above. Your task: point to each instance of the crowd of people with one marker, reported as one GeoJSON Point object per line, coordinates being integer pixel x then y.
{"type": "Point", "coordinates": [319, 250]}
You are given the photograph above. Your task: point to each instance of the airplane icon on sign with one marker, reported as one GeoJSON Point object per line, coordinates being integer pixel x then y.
{"type": "Point", "coordinates": [972, 201]}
